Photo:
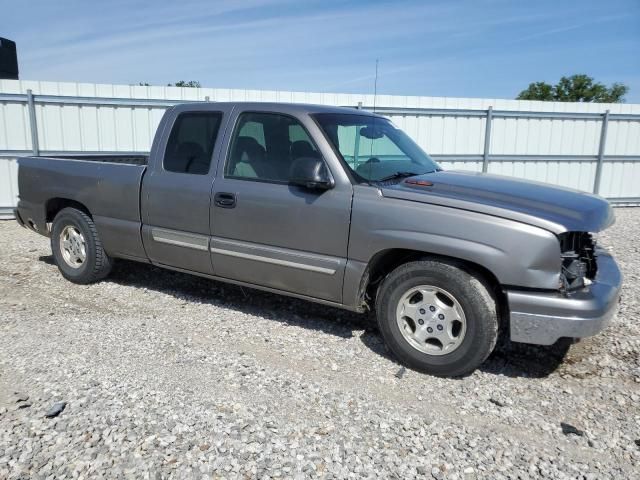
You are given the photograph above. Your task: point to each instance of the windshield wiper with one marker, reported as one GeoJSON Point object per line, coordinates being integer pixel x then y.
{"type": "Point", "coordinates": [395, 175]}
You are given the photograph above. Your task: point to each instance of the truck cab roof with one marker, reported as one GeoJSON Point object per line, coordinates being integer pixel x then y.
{"type": "Point", "coordinates": [280, 107]}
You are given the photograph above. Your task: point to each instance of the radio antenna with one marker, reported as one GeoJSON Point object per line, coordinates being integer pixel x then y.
{"type": "Point", "coordinates": [375, 88]}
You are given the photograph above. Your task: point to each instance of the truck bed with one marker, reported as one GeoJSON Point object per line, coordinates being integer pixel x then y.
{"type": "Point", "coordinates": [126, 159]}
{"type": "Point", "coordinates": [107, 185]}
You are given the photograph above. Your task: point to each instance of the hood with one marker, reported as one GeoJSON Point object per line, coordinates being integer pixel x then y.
{"type": "Point", "coordinates": [556, 209]}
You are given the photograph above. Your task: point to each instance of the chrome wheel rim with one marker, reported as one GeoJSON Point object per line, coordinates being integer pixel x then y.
{"type": "Point", "coordinates": [431, 320]}
{"type": "Point", "coordinates": [73, 246]}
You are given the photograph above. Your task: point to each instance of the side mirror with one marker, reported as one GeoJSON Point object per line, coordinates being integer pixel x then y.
{"type": "Point", "coordinates": [311, 173]}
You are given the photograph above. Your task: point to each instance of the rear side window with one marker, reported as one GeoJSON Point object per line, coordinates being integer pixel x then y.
{"type": "Point", "coordinates": [191, 142]}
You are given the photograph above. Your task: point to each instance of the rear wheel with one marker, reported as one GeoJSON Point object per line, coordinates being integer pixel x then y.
{"type": "Point", "coordinates": [77, 248]}
{"type": "Point", "coordinates": [437, 318]}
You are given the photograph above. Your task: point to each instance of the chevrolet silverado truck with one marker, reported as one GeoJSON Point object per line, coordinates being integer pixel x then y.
{"type": "Point", "coordinates": [336, 206]}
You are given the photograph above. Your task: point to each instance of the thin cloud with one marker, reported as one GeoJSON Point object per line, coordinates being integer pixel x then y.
{"type": "Point", "coordinates": [568, 28]}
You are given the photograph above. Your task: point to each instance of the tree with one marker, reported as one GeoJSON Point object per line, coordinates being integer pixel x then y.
{"type": "Point", "coordinates": [537, 91]}
{"type": "Point", "coordinates": [190, 83]}
{"type": "Point", "coordinates": [577, 88]}
{"type": "Point", "coordinates": [181, 83]}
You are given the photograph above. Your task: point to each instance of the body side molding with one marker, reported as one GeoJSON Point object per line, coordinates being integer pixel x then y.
{"type": "Point", "coordinates": [181, 239]}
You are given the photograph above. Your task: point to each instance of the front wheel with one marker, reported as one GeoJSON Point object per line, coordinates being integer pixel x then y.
{"type": "Point", "coordinates": [77, 248]}
{"type": "Point", "coordinates": [437, 318]}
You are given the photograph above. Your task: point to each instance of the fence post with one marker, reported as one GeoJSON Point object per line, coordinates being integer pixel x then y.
{"type": "Point", "coordinates": [33, 123]}
{"type": "Point", "coordinates": [601, 147]}
{"type": "Point", "coordinates": [487, 140]}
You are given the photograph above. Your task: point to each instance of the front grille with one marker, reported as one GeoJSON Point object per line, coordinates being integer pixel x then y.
{"type": "Point", "coordinates": [578, 258]}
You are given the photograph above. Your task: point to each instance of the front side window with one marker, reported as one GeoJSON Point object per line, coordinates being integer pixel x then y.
{"type": "Point", "coordinates": [191, 142]}
{"type": "Point", "coordinates": [373, 148]}
{"type": "Point", "coordinates": [265, 146]}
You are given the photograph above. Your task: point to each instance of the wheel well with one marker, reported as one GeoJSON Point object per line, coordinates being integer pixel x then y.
{"type": "Point", "coordinates": [54, 205]}
{"type": "Point", "coordinates": [386, 261]}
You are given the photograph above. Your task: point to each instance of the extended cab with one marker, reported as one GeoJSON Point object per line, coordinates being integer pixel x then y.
{"type": "Point", "coordinates": [340, 207]}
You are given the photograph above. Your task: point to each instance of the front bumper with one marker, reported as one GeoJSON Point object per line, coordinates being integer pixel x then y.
{"type": "Point", "coordinates": [544, 317]}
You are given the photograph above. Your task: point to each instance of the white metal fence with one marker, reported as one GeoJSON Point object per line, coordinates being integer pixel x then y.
{"type": "Point", "coordinates": [591, 147]}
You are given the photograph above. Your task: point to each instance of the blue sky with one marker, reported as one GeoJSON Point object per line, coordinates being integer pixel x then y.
{"type": "Point", "coordinates": [482, 48]}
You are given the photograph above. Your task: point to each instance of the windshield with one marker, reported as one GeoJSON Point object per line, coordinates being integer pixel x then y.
{"type": "Point", "coordinates": [373, 148]}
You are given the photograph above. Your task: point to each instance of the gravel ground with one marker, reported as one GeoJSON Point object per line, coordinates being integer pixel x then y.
{"type": "Point", "coordinates": [168, 375]}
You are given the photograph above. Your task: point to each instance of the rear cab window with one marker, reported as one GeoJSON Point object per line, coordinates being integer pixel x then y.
{"type": "Point", "coordinates": [190, 145]}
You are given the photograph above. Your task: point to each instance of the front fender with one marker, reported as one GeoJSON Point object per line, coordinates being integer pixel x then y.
{"type": "Point", "coordinates": [517, 254]}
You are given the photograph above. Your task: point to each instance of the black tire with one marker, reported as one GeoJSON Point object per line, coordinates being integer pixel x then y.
{"type": "Point", "coordinates": [97, 264]}
{"type": "Point", "coordinates": [474, 297]}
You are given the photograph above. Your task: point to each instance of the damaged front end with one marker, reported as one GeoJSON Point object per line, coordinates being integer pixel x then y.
{"type": "Point", "coordinates": [579, 266]}
{"type": "Point", "coordinates": [590, 284]}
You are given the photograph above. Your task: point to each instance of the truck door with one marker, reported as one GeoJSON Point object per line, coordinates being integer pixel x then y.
{"type": "Point", "coordinates": [176, 192]}
{"type": "Point", "coordinates": [270, 233]}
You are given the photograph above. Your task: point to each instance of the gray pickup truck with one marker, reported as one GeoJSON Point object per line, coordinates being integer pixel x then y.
{"type": "Point", "coordinates": [337, 206]}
